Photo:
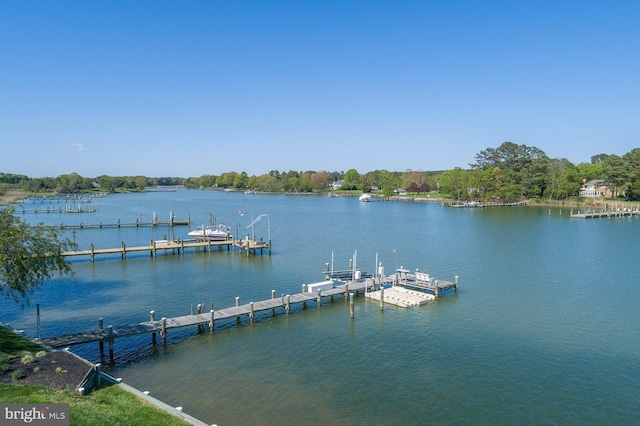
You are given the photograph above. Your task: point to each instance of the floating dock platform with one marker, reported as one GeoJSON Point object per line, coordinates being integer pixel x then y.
{"type": "Point", "coordinates": [405, 289]}
{"type": "Point", "coordinates": [400, 296]}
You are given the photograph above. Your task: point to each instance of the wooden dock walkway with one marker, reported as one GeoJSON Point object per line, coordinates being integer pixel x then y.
{"type": "Point", "coordinates": [407, 290]}
{"type": "Point", "coordinates": [202, 319]}
{"type": "Point", "coordinates": [118, 224]}
{"type": "Point", "coordinates": [423, 282]}
{"type": "Point", "coordinates": [480, 204]}
{"type": "Point", "coordinates": [66, 209]}
{"type": "Point", "coordinates": [607, 214]}
{"type": "Point", "coordinates": [175, 246]}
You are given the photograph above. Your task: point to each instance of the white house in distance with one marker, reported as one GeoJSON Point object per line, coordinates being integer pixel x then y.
{"type": "Point", "coordinates": [336, 185]}
{"type": "Point", "coordinates": [594, 188]}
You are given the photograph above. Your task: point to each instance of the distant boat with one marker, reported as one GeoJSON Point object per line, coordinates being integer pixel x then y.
{"type": "Point", "coordinates": [365, 198]}
{"type": "Point", "coordinates": [213, 233]}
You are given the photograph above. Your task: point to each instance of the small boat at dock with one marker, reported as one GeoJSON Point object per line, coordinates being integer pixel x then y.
{"type": "Point", "coordinates": [215, 233]}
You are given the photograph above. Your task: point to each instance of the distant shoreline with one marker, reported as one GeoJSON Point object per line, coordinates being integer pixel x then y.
{"type": "Point", "coordinates": [12, 196]}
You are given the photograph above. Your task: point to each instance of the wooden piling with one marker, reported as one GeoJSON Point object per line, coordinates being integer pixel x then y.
{"type": "Point", "coordinates": [38, 321]}
{"type": "Point", "coordinates": [211, 320]}
{"type": "Point", "coordinates": [456, 284]}
{"type": "Point", "coordinates": [152, 318]}
{"type": "Point", "coordinates": [251, 311]}
{"type": "Point", "coordinates": [319, 298]}
{"type": "Point", "coordinates": [98, 375]}
{"type": "Point", "coordinates": [351, 306]}
{"type": "Point", "coordinates": [101, 343]}
{"type": "Point", "coordinates": [110, 341]}
{"type": "Point", "coordinates": [382, 297]}
{"type": "Point", "coordinates": [163, 330]}
{"type": "Point", "coordinates": [287, 304]}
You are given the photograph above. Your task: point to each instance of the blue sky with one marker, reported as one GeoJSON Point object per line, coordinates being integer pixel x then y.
{"type": "Point", "coordinates": [186, 88]}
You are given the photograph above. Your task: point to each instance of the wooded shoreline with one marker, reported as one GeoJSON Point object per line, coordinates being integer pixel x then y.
{"type": "Point", "coordinates": [15, 196]}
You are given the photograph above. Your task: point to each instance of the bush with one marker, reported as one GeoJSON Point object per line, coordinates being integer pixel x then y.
{"type": "Point", "coordinates": [27, 359]}
{"type": "Point", "coordinates": [4, 367]}
{"type": "Point", "coordinates": [17, 375]}
{"type": "Point", "coordinates": [41, 354]}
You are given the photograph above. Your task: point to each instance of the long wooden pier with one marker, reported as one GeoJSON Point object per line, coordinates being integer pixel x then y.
{"type": "Point", "coordinates": [480, 204]}
{"type": "Point", "coordinates": [282, 304]}
{"type": "Point", "coordinates": [65, 209]}
{"type": "Point", "coordinates": [118, 224]}
{"type": "Point", "coordinates": [607, 214]}
{"type": "Point", "coordinates": [407, 290]}
{"type": "Point", "coordinates": [173, 246]}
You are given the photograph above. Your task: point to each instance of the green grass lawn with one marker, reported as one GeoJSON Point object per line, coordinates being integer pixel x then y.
{"type": "Point", "coordinates": [107, 405]}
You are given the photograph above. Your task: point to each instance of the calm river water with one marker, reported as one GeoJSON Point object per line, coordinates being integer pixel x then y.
{"type": "Point", "coordinates": [544, 329]}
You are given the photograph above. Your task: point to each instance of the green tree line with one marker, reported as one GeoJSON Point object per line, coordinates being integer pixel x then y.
{"type": "Point", "coordinates": [510, 172]}
{"type": "Point", "coordinates": [514, 172]}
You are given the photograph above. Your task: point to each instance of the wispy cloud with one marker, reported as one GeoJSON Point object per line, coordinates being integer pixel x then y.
{"type": "Point", "coordinates": [79, 146]}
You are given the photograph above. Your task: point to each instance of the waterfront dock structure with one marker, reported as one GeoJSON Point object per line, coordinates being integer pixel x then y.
{"type": "Point", "coordinates": [175, 246]}
{"type": "Point", "coordinates": [480, 204]}
{"type": "Point", "coordinates": [407, 290]}
{"type": "Point", "coordinates": [423, 282]}
{"type": "Point", "coordinates": [65, 209]}
{"type": "Point", "coordinates": [119, 224]}
{"type": "Point", "coordinates": [200, 318]}
{"type": "Point", "coordinates": [400, 296]}
{"type": "Point", "coordinates": [606, 213]}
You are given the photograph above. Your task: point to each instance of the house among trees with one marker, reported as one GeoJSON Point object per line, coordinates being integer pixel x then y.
{"type": "Point", "coordinates": [595, 188]}
{"type": "Point", "coordinates": [337, 184]}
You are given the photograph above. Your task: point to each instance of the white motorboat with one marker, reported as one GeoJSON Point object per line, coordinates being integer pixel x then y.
{"type": "Point", "coordinates": [215, 233]}
{"type": "Point", "coordinates": [365, 198]}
